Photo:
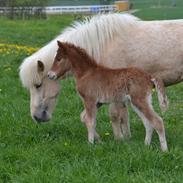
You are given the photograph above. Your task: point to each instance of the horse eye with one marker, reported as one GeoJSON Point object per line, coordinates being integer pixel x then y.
{"type": "Point", "coordinates": [58, 59]}
{"type": "Point", "coordinates": [38, 85]}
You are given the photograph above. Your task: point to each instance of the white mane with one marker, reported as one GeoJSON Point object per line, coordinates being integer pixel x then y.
{"type": "Point", "coordinates": [92, 34]}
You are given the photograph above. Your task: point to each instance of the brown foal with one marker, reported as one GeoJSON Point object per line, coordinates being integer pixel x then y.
{"type": "Point", "coordinates": [97, 84]}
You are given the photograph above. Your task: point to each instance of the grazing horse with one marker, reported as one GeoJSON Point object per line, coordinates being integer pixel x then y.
{"type": "Point", "coordinates": [98, 84]}
{"type": "Point", "coordinates": [114, 40]}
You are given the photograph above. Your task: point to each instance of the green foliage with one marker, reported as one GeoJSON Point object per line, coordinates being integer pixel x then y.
{"type": "Point", "coordinates": [77, 2]}
{"type": "Point", "coordinates": [58, 151]}
{"type": "Point", "coordinates": [17, 3]}
{"type": "Point", "coordinates": [23, 9]}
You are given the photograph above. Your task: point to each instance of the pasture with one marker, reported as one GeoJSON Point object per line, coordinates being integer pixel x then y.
{"type": "Point", "coordinates": [58, 151]}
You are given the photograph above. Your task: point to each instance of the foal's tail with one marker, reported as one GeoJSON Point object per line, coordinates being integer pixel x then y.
{"type": "Point", "coordinates": [160, 89]}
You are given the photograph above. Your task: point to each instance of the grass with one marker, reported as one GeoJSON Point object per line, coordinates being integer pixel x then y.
{"type": "Point", "coordinates": [58, 151]}
{"type": "Point", "coordinates": [158, 9]}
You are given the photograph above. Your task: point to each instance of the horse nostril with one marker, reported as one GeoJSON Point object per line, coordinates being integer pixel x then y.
{"type": "Point", "coordinates": [52, 75]}
{"type": "Point", "coordinates": [44, 114]}
{"type": "Point", "coordinates": [42, 118]}
{"type": "Point", "coordinates": [49, 75]}
{"type": "Point", "coordinates": [37, 119]}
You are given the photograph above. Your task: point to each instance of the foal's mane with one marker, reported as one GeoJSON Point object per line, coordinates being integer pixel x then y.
{"type": "Point", "coordinates": [85, 57]}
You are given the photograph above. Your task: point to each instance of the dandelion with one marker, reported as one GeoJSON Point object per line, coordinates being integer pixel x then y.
{"type": "Point", "coordinates": [107, 133]}
{"type": "Point", "coordinates": [176, 167]}
{"type": "Point", "coordinates": [6, 65]}
{"type": "Point", "coordinates": [7, 49]}
{"type": "Point", "coordinates": [65, 144]}
{"type": "Point", "coordinates": [7, 69]}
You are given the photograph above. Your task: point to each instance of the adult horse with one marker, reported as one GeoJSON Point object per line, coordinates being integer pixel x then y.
{"type": "Point", "coordinates": [114, 40]}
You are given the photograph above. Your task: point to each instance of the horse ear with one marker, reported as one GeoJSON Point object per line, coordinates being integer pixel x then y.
{"type": "Point", "coordinates": [40, 66]}
{"type": "Point", "coordinates": [59, 44]}
{"type": "Point", "coordinates": [62, 46]}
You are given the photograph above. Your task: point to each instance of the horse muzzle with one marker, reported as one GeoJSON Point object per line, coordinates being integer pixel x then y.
{"type": "Point", "coordinates": [52, 75]}
{"type": "Point", "coordinates": [42, 117]}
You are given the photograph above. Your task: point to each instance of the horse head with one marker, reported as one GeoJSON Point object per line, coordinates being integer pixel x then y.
{"type": "Point", "coordinates": [61, 65]}
{"type": "Point", "coordinates": [43, 92]}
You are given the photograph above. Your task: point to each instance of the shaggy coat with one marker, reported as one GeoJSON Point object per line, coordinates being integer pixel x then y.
{"type": "Point", "coordinates": [97, 84]}
{"type": "Point", "coordinates": [114, 40]}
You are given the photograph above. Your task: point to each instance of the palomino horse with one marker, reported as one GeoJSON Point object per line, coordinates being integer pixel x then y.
{"type": "Point", "coordinates": [114, 40]}
{"type": "Point", "coordinates": [98, 84]}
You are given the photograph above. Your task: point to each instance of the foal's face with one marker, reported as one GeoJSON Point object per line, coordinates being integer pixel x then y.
{"type": "Point", "coordinates": [61, 65]}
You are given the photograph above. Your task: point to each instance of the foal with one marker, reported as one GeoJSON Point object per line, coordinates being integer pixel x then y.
{"type": "Point", "coordinates": [97, 84]}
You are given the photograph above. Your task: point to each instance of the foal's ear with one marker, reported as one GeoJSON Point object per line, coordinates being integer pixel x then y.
{"type": "Point", "coordinates": [62, 46]}
{"type": "Point", "coordinates": [59, 43]}
{"type": "Point", "coordinates": [40, 66]}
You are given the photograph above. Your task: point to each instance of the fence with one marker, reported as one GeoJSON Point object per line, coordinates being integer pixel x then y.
{"type": "Point", "coordinates": [79, 9]}
{"type": "Point", "coordinates": [23, 12]}
{"type": "Point", "coordinates": [56, 10]}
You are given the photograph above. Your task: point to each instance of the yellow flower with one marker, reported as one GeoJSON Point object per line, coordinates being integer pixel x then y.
{"type": "Point", "coordinates": [14, 48]}
{"type": "Point", "coordinates": [6, 65]}
{"type": "Point", "coordinates": [8, 69]}
{"type": "Point", "coordinates": [65, 143]}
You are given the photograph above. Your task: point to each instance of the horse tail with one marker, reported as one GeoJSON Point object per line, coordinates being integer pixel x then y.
{"type": "Point", "coordinates": [160, 89]}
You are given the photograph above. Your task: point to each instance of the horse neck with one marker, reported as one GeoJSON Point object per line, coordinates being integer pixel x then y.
{"type": "Point", "coordinates": [80, 63]}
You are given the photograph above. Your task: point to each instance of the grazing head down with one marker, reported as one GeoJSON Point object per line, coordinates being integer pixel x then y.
{"type": "Point", "coordinates": [93, 34]}
{"type": "Point", "coordinates": [43, 91]}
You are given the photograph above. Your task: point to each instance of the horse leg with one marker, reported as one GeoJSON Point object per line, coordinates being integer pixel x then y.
{"type": "Point", "coordinates": [89, 117]}
{"type": "Point", "coordinates": [116, 121]}
{"type": "Point", "coordinates": [83, 120]}
{"type": "Point", "coordinates": [148, 127]}
{"type": "Point", "coordinates": [151, 120]}
{"type": "Point", "coordinates": [125, 125]}
{"type": "Point", "coordinates": [119, 116]}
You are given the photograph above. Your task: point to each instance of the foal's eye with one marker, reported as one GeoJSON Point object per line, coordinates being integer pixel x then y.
{"type": "Point", "coordinates": [37, 85]}
{"type": "Point", "coordinates": [58, 59]}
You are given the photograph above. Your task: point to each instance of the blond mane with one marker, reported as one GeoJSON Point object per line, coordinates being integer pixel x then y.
{"type": "Point", "coordinates": [92, 35]}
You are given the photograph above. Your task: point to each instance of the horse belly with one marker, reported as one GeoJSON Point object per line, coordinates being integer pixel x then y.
{"type": "Point", "coordinates": [112, 96]}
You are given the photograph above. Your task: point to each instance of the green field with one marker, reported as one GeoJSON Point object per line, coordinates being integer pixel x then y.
{"type": "Point", "coordinates": [58, 151]}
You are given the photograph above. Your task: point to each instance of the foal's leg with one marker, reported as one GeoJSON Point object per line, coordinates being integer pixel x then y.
{"type": "Point", "coordinates": [119, 116]}
{"type": "Point", "coordinates": [148, 127]}
{"type": "Point", "coordinates": [145, 111]}
{"type": "Point", "coordinates": [116, 121]}
{"type": "Point", "coordinates": [83, 119]}
{"type": "Point", "coordinates": [89, 118]}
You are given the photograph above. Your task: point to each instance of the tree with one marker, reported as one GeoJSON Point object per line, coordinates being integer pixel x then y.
{"type": "Point", "coordinates": [28, 3]}
{"type": "Point", "coordinates": [104, 2]}
{"type": "Point", "coordinates": [24, 9]}
{"type": "Point", "coordinates": [2, 3]}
